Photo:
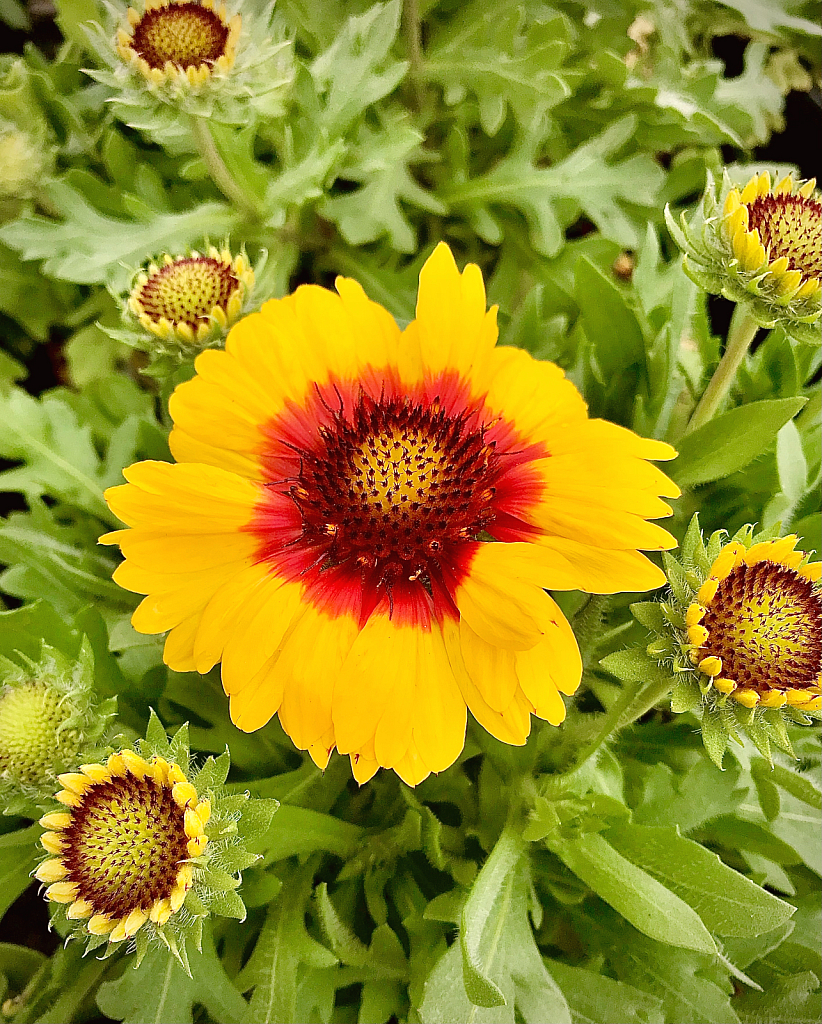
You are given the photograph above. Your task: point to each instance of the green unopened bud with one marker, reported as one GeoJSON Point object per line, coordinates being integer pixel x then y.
{"type": "Point", "coordinates": [24, 163]}
{"type": "Point", "coordinates": [49, 717]}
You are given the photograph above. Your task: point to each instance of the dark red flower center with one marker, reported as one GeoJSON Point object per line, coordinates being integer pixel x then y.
{"type": "Point", "coordinates": [765, 623]}
{"type": "Point", "coordinates": [387, 497]}
{"type": "Point", "coordinates": [186, 34]}
{"type": "Point", "coordinates": [124, 845]}
{"type": "Point", "coordinates": [790, 226]}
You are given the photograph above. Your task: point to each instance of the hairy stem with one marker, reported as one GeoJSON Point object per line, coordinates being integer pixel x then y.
{"type": "Point", "coordinates": [742, 332]}
{"type": "Point", "coordinates": [220, 174]}
{"type": "Point", "coordinates": [411, 23]}
{"type": "Point", "coordinates": [630, 706]}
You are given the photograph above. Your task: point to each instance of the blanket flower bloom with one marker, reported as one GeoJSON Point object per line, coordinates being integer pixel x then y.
{"type": "Point", "coordinates": [123, 848]}
{"type": "Point", "coordinates": [362, 521]}
{"type": "Point", "coordinates": [755, 625]}
{"type": "Point", "coordinates": [760, 245]}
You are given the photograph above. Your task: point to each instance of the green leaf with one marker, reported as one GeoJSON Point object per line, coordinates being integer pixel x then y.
{"type": "Point", "coordinates": [284, 955]}
{"type": "Point", "coordinates": [688, 799]}
{"type": "Point", "coordinates": [786, 999]}
{"type": "Point", "coordinates": [483, 916]}
{"type": "Point", "coordinates": [495, 970]}
{"type": "Point", "coordinates": [650, 614]}
{"type": "Point", "coordinates": [357, 70]}
{"type": "Point", "coordinates": [608, 321]}
{"type": "Point", "coordinates": [18, 856]}
{"type": "Point", "coordinates": [727, 902]}
{"type": "Point", "coordinates": [58, 454]}
{"type": "Point", "coordinates": [678, 977]}
{"type": "Point", "coordinates": [637, 895]}
{"type": "Point", "coordinates": [27, 296]}
{"type": "Point", "coordinates": [799, 786]}
{"type": "Point", "coordinates": [595, 998]}
{"type": "Point", "coordinates": [157, 990]}
{"type": "Point", "coordinates": [591, 177]}
{"type": "Point", "coordinates": [160, 990]}
{"type": "Point", "coordinates": [90, 247]}
{"type": "Point", "coordinates": [298, 830]}
{"type": "Point", "coordinates": [715, 734]}
{"type": "Point", "coordinates": [730, 441]}
{"type": "Point", "coordinates": [381, 162]}
{"type": "Point", "coordinates": [503, 57]}
{"type": "Point", "coordinates": [344, 944]}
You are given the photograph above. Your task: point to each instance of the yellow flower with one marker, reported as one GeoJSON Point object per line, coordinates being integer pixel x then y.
{"type": "Point", "coordinates": [362, 521]}
{"type": "Point", "coordinates": [124, 845]}
{"type": "Point", "coordinates": [777, 232]}
{"type": "Point", "coordinates": [189, 301]}
{"type": "Point", "coordinates": [179, 42]}
{"type": "Point", "coordinates": [755, 625]}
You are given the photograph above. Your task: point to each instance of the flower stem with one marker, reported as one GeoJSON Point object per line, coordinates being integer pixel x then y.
{"type": "Point", "coordinates": [411, 22]}
{"type": "Point", "coordinates": [742, 332]}
{"type": "Point", "coordinates": [220, 174]}
{"type": "Point", "coordinates": [630, 706]}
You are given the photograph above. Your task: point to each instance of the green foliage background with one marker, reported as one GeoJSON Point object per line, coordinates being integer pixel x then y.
{"type": "Point", "coordinates": [542, 140]}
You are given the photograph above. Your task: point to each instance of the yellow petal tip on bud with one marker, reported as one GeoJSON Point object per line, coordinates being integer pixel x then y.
{"type": "Point", "coordinates": [697, 634]}
{"type": "Point", "coordinates": [100, 924]}
{"type": "Point", "coordinates": [710, 666]}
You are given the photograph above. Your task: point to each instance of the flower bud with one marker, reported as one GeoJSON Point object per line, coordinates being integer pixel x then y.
{"type": "Point", "coordinates": [127, 856]}
{"type": "Point", "coordinates": [49, 718]}
{"type": "Point", "coordinates": [749, 653]}
{"type": "Point", "coordinates": [761, 245]}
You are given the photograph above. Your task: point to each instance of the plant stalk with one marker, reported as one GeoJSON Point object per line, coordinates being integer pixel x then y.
{"type": "Point", "coordinates": [628, 708]}
{"type": "Point", "coordinates": [411, 23]}
{"type": "Point", "coordinates": [219, 172]}
{"type": "Point", "coordinates": [742, 332]}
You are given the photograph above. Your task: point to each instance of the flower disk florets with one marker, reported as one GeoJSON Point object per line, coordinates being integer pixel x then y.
{"type": "Point", "coordinates": [761, 245]}
{"type": "Point", "coordinates": [185, 41]}
{"type": "Point", "coordinates": [187, 303]}
{"type": "Point", "coordinates": [125, 843]}
{"type": "Point", "coordinates": [397, 489]}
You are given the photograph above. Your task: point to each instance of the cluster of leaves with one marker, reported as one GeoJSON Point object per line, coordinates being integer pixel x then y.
{"type": "Point", "coordinates": [570, 881]}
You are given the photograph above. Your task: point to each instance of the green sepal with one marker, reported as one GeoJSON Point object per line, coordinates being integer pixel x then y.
{"type": "Point", "coordinates": [715, 734]}
{"type": "Point", "coordinates": [685, 695]}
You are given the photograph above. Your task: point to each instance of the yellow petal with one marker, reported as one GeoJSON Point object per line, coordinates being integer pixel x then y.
{"type": "Point", "coordinates": [492, 669]}
{"type": "Point", "coordinates": [573, 565]}
{"type": "Point", "coordinates": [512, 725]}
{"type": "Point", "coordinates": [451, 314]}
{"type": "Point", "coordinates": [553, 663]}
{"type": "Point", "coordinates": [312, 655]}
{"type": "Point", "coordinates": [499, 602]}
